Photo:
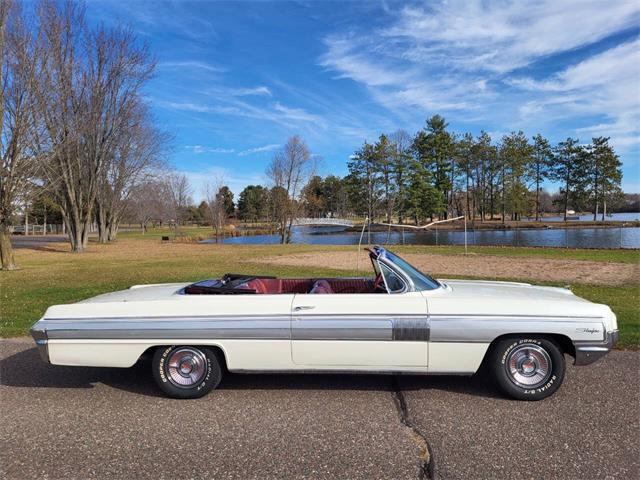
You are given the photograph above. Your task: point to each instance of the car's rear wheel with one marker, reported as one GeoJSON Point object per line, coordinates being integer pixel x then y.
{"type": "Point", "coordinates": [186, 371]}
{"type": "Point", "coordinates": [528, 368]}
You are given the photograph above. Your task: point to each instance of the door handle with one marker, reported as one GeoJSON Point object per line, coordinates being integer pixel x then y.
{"type": "Point", "coordinates": [303, 307]}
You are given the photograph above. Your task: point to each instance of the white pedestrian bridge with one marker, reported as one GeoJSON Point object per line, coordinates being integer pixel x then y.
{"type": "Point", "coordinates": [323, 221]}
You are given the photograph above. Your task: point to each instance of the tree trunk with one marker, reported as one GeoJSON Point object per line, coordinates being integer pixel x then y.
{"type": "Point", "coordinates": [566, 198]}
{"type": "Point", "coordinates": [103, 227]}
{"type": "Point", "coordinates": [77, 229]}
{"type": "Point", "coordinates": [537, 192]}
{"type": "Point", "coordinates": [6, 251]}
{"type": "Point", "coordinates": [595, 196]}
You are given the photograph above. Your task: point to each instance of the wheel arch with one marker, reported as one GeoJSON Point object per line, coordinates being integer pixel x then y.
{"type": "Point", "coordinates": [216, 348]}
{"type": "Point", "coordinates": [563, 341]}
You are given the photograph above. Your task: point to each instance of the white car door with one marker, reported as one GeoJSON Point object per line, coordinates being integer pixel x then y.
{"type": "Point", "coordinates": [377, 331]}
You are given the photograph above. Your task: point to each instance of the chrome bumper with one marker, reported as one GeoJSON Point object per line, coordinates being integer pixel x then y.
{"type": "Point", "coordinates": [40, 336]}
{"type": "Point", "coordinates": [589, 352]}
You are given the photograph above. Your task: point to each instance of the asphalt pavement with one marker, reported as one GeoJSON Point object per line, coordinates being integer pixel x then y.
{"type": "Point", "coordinates": [64, 422]}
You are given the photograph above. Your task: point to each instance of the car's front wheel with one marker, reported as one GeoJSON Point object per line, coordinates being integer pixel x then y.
{"type": "Point", "coordinates": [528, 368]}
{"type": "Point", "coordinates": [185, 371]}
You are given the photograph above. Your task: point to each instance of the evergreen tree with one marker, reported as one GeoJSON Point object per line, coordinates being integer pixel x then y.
{"type": "Point", "coordinates": [253, 203]}
{"type": "Point", "coordinates": [364, 181]}
{"type": "Point", "coordinates": [540, 167]}
{"type": "Point", "coordinates": [465, 158]}
{"type": "Point", "coordinates": [517, 153]}
{"type": "Point", "coordinates": [435, 147]}
{"type": "Point", "coordinates": [570, 169]}
{"type": "Point", "coordinates": [226, 196]}
{"type": "Point", "coordinates": [384, 162]}
{"type": "Point", "coordinates": [313, 198]}
{"type": "Point", "coordinates": [401, 159]}
{"type": "Point", "coordinates": [424, 200]}
{"type": "Point", "coordinates": [604, 173]}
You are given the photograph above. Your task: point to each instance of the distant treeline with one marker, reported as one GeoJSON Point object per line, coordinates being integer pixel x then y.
{"type": "Point", "coordinates": [437, 173]}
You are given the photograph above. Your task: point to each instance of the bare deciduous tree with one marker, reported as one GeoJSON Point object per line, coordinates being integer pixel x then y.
{"type": "Point", "coordinates": [89, 83]}
{"type": "Point", "coordinates": [289, 171]}
{"type": "Point", "coordinates": [19, 164]}
{"type": "Point", "coordinates": [134, 159]}
{"type": "Point", "coordinates": [148, 202]}
{"type": "Point", "coordinates": [179, 194]}
{"type": "Point", "coordinates": [216, 207]}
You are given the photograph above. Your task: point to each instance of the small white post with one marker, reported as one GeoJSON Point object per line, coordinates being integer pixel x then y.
{"type": "Point", "coordinates": [465, 235]}
{"type": "Point", "coordinates": [360, 243]}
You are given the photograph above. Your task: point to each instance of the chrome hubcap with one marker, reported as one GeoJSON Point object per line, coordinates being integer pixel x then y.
{"type": "Point", "coordinates": [529, 366]}
{"type": "Point", "coordinates": [186, 367]}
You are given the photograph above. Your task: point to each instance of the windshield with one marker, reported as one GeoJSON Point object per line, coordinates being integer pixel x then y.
{"type": "Point", "coordinates": [419, 279]}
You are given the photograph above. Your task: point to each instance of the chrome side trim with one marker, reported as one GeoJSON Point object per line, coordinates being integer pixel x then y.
{"type": "Point", "coordinates": [273, 328]}
{"type": "Point", "coordinates": [336, 328]}
{"type": "Point", "coordinates": [40, 336]}
{"type": "Point", "coordinates": [381, 327]}
{"type": "Point", "coordinates": [589, 352]}
{"type": "Point", "coordinates": [485, 329]}
{"type": "Point", "coordinates": [411, 329]}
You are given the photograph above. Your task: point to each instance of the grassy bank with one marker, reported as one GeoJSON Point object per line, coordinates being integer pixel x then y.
{"type": "Point", "coordinates": [52, 275]}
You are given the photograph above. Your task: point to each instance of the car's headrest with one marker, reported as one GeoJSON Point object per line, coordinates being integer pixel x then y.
{"type": "Point", "coordinates": [321, 286]}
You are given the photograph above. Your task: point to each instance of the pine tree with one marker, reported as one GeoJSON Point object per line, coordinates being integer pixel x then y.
{"type": "Point", "coordinates": [434, 148]}
{"type": "Point", "coordinates": [604, 172]}
{"type": "Point", "coordinates": [541, 166]}
{"type": "Point", "coordinates": [364, 180]}
{"type": "Point", "coordinates": [570, 168]}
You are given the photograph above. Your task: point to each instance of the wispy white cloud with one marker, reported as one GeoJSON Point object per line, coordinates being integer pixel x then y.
{"type": "Point", "coordinates": [192, 64]}
{"type": "Point", "coordinates": [290, 117]}
{"type": "Point", "coordinates": [184, 106]}
{"type": "Point", "coordinates": [463, 58]}
{"type": "Point", "coordinates": [501, 36]}
{"type": "Point", "coordinates": [245, 92]}
{"type": "Point", "coordinates": [604, 85]}
{"type": "Point", "coordinates": [197, 149]}
{"type": "Point", "coordinates": [264, 148]}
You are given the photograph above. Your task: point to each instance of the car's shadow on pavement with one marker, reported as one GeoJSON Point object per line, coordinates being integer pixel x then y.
{"type": "Point", "coordinates": [26, 369]}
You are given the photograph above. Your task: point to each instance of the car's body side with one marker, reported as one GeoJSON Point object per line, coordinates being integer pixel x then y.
{"type": "Point", "coordinates": [447, 330]}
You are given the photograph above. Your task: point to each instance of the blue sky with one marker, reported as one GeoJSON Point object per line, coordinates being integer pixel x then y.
{"type": "Point", "coordinates": [235, 79]}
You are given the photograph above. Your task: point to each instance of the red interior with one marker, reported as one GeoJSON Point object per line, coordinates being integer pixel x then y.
{"type": "Point", "coordinates": [309, 285]}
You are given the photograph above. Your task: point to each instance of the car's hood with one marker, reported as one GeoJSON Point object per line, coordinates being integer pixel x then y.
{"type": "Point", "coordinates": [137, 293]}
{"type": "Point", "coordinates": [502, 290]}
{"type": "Point", "coordinates": [472, 297]}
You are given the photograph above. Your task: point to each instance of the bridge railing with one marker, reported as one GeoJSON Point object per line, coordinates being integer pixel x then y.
{"type": "Point", "coordinates": [323, 221]}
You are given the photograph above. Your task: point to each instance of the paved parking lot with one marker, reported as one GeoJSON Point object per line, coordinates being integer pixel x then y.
{"type": "Point", "coordinates": [61, 422]}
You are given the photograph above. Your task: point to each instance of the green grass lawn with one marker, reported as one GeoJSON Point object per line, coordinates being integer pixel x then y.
{"type": "Point", "coordinates": [52, 275]}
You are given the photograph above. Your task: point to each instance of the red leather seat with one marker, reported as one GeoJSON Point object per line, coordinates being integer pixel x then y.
{"type": "Point", "coordinates": [264, 285]}
{"type": "Point", "coordinates": [322, 287]}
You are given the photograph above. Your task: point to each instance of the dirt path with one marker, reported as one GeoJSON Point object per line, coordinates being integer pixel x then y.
{"type": "Point", "coordinates": [544, 269]}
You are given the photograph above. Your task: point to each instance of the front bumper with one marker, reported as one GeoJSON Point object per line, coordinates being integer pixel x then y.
{"type": "Point", "coordinates": [589, 352]}
{"type": "Point", "coordinates": [42, 342]}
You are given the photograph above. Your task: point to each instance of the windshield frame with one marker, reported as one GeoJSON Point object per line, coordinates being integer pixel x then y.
{"type": "Point", "coordinates": [418, 280]}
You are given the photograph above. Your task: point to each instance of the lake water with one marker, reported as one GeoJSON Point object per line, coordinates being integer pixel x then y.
{"type": "Point", "coordinates": [554, 237]}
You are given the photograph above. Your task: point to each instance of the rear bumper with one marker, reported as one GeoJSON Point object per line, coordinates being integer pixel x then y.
{"type": "Point", "coordinates": [42, 342]}
{"type": "Point", "coordinates": [589, 352]}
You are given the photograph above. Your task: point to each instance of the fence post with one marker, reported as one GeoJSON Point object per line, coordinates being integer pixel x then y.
{"type": "Point", "coordinates": [465, 235]}
{"type": "Point", "coordinates": [621, 237]}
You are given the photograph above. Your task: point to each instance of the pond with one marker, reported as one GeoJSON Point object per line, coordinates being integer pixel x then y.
{"type": "Point", "coordinates": [552, 237]}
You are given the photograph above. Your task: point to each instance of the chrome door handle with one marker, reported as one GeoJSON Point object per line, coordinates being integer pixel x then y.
{"type": "Point", "coordinates": [303, 307]}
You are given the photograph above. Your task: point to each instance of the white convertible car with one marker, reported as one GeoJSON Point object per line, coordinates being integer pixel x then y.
{"type": "Point", "coordinates": [398, 321]}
